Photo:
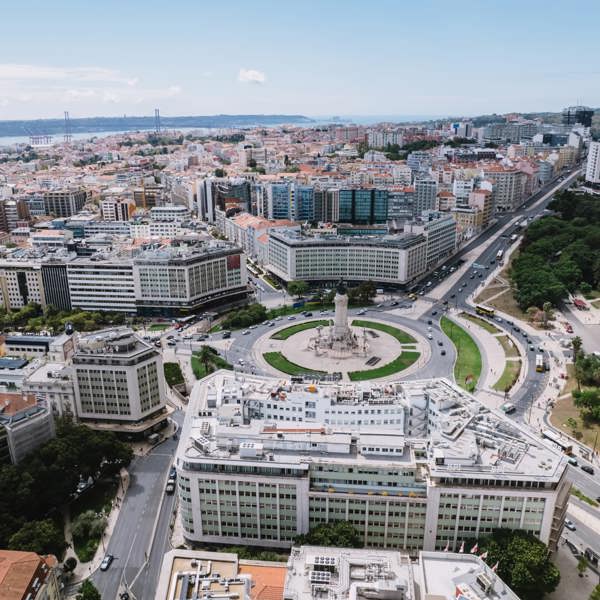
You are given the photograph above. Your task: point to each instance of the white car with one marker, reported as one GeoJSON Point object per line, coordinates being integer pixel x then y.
{"type": "Point", "coordinates": [241, 361]}
{"type": "Point", "coordinates": [429, 336]}
{"type": "Point", "coordinates": [291, 318]}
{"type": "Point", "coordinates": [570, 525]}
{"type": "Point", "coordinates": [245, 332]}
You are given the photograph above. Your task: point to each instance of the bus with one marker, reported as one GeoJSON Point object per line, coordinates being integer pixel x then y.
{"type": "Point", "coordinates": [539, 363]}
{"type": "Point", "coordinates": [565, 447]}
{"type": "Point", "coordinates": [499, 256]}
{"type": "Point", "coordinates": [486, 311]}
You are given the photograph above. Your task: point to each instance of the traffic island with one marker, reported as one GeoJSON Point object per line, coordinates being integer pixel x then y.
{"type": "Point", "coordinates": [467, 368]}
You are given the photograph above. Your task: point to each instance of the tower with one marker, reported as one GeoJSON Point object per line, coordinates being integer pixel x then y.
{"type": "Point", "coordinates": [156, 120]}
{"type": "Point", "coordinates": [68, 135]}
{"type": "Point", "coordinates": [340, 319]}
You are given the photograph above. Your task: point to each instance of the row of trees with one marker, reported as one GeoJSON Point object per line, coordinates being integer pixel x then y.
{"type": "Point", "coordinates": [251, 315]}
{"type": "Point", "coordinates": [361, 294]}
{"type": "Point", "coordinates": [33, 318]}
{"type": "Point", "coordinates": [559, 253]}
{"type": "Point", "coordinates": [32, 492]}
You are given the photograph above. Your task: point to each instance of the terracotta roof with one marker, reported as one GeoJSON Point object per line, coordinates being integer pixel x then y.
{"type": "Point", "coordinates": [17, 571]}
{"type": "Point", "coordinates": [268, 580]}
{"type": "Point", "coordinates": [12, 403]}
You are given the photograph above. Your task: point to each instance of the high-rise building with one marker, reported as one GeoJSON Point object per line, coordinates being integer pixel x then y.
{"type": "Point", "coordinates": [425, 195]}
{"type": "Point", "coordinates": [64, 203]}
{"type": "Point", "coordinates": [363, 206]}
{"type": "Point", "coordinates": [117, 209]}
{"type": "Point", "coordinates": [416, 465]}
{"type": "Point", "coordinates": [573, 115]}
{"type": "Point", "coordinates": [439, 230]}
{"type": "Point", "coordinates": [289, 200]}
{"type": "Point", "coordinates": [327, 206]}
{"type": "Point", "coordinates": [592, 170]}
{"type": "Point", "coordinates": [119, 383]}
{"type": "Point", "coordinates": [21, 283]}
{"type": "Point", "coordinates": [56, 284]}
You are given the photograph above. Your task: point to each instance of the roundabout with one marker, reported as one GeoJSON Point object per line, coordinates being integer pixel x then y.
{"type": "Point", "coordinates": [353, 349]}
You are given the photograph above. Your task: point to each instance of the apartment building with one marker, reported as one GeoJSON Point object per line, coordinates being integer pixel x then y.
{"type": "Point", "coordinates": [395, 259]}
{"type": "Point", "coordinates": [26, 422]}
{"type": "Point", "coordinates": [65, 202]}
{"type": "Point", "coordinates": [592, 169]}
{"type": "Point", "coordinates": [102, 282]}
{"type": "Point", "coordinates": [174, 280]}
{"type": "Point", "coordinates": [508, 186]}
{"type": "Point", "coordinates": [119, 383]}
{"type": "Point", "coordinates": [446, 471]}
{"type": "Point", "coordinates": [21, 283]}
{"type": "Point", "coordinates": [170, 212]}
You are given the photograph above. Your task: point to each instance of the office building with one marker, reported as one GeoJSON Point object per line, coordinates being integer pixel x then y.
{"type": "Point", "coordinates": [29, 576]}
{"type": "Point", "coordinates": [56, 283]}
{"type": "Point", "coordinates": [176, 280]}
{"type": "Point", "coordinates": [401, 203]}
{"type": "Point", "coordinates": [439, 231]}
{"type": "Point", "coordinates": [21, 283]}
{"type": "Point", "coordinates": [394, 259]}
{"type": "Point", "coordinates": [425, 195]}
{"type": "Point", "coordinates": [117, 209]}
{"type": "Point", "coordinates": [119, 383]}
{"type": "Point", "coordinates": [327, 206]}
{"type": "Point", "coordinates": [508, 186]}
{"type": "Point", "coordinates": [170, 212]}
{"type": "Point", "coordinates": [419, 465]}
{"type": "Point", "coordinates": [363, 206]}
{"type": "Point", "coordinates": [53, 382]}
{"type": "Point", "coordinates": [419, 161]}
{"type": "Point", "coordinates": [148, 195]}
{"type": "Point", "coordinates": [26, 422]}
{"type": "Point", "coordinates": [592, 170]}
{"type": "Point", "coordinates": [102, 282]}
{"type": "Point", "coordinates": [64, 203]}
{"type": "Point", "coordinates": [581, 115]}
{"type": "Point", "coordinates": [291, 201]}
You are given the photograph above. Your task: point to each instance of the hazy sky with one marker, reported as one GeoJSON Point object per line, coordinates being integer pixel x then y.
{"type": "Point", "coordinates": [343, 57]}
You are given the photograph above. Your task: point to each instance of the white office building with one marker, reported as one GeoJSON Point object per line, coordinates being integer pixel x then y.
{"type": "Point", "coordinates": [262, 460]}
{"type": "Point", "coordinates": [395, 259]}
{"type": "Point", "coordinates": [592, 170]}
{"type": "Point", "coordinates": [119, 382]}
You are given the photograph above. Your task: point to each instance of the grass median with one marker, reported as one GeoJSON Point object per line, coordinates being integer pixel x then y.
{"type": "Point", "coordinates": [284, 334]}
{"type": "Point", "coordinates": [405, 360]}
{"type": "Point", "coordinates": [467, 369]}
{"type": "Point", "coordinates": [401, 336]}
{"type": "Point", "coordinates": [281, 363]}
{"type": "Point", "coordinates": [509, 376]}
{"type": "Point", "coordinates": [480, 322]}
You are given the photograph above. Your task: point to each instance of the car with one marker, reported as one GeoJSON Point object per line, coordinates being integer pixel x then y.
{"type": "Point", "coordinates": [498, 319]}
{"type": "Point", "coordinates": [493, 261]}
{"type": "Point", "coordinates": [587, 469]}
{"type": "Point", "coordinates": [532, 348]}
{"type": "Point", "coordinates": [445, 302]}
{"type": "Point", "coordinates": [202, 337]}
{"type": "Point", "coordinates": [570, 525]}
{"type": "Point", "coordinates": [241, 362]}
{"type": "Point", "coordinates": [171, 343]}
{"type": "Point", "coordinates": [472, 277]}
{"type": "Point", "coordinates": [429, 336]}
{"type": "Point", "coordinates": [453, 296]}
{"type": "Point", "coordinates": [292, 318]}
{"type": "Point", "coordinates": [362, 311]}
{"type": "Point", "coordinates": [380, 305]}
{"type": "Point", "coordinates": [308, 314]}
{"type": "Point", "coordinates": [573, 461]}
{"type": "Point", "coordinates": [270, 324]}
{"type": "Point", "coordinates": [394, 303]}
{"type": "Point", "coordinates": [170, 487]}
{"type": "Point", "coordinates": [172, 472]}
{"type": "Point", "coordinates": [323, 312]}
{"type": "Point", "coordinates": [279, 318]}
{"type": "Point", "coordinates": [106, 562]}
{"type": "Point", "coordinates": [480, 275]}
{"type": "Point", "coordinates": [252, 327]}
{"type": "Point", "coordinates": [246, 332]}
{"type": "Point", "coordinates": [158, 344]}
{"type": "Point", "coordinates": [433, 313]}
{"type": "Point", "coordinates": [429, 284]}
{"type": "Point", "coordinates": [440, 343]}
{"type": "Point", "coordinates": [429, 328]}
{"type": "Point", "coordinates": [422, 293]}
{"type": "Point", "coordinates": [459, 290]}
{"type": "Point", "coordinates": [443, 353]}
{"type": "Point", "coordinates": [226, 335]}
{"type": "Point", "coordinates": [170, 337]}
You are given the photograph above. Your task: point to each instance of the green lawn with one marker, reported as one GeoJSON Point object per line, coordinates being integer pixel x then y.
{"type": "Point", "coordinates": [399, 364]}
{"type": "Point", "coordinates": [489, 327]}
{"type": "Point", "coordinates": [173, 374]}
{"type": "Point", "coordinates": [468, 357]}
{"type": "Point", "coordinates": [401, 336]}
{"type": "Point", "coordinates": [158, 326]}
{"type": "Point", "coordinates": [510, 349]}
{"type": "Point", "coordinates": [284, 334]}
{"type": "Point", "coordinates": [200, 371]}
{"type": "Point", "coordinates": [509, 375]}
{"type": "Point", "coordinates": [281, 363]}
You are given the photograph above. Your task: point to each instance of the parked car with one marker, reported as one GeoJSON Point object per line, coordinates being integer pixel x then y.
{"type": "Point", "coordinates": [587, 469]}
{"type": "Point", "coordinates": [170, 487]}
{"type": "Point", "coordinates": [106, 562]}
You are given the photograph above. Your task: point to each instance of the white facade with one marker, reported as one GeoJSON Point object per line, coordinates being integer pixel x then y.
{"type": "Point", "coordinates": [592, 171]}
{"type": "Point", "coordinates": [20, 284]}
{"type": "Point", "coordinates": [104, 284]}
{"type": "Point", "coordinates": [447, 470]}
{"type": "Point", "coordinates": [169, 212]}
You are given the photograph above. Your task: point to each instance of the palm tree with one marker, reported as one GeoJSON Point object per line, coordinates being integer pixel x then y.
{"type": "Point", "coordinates": [206, 357]}
{"type": "Point", "coordinates": [548, 312]}
{"type": "Point", "coordinates": [576, 344]}
{"type": "Point", "coordinates": [532, 311]}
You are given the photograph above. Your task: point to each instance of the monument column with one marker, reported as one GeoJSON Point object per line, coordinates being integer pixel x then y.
{"type": "Point", "coordinates": [340, 319]}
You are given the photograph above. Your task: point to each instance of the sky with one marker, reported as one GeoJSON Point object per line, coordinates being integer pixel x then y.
{"type": "Point", "coordinates": [316, 58]}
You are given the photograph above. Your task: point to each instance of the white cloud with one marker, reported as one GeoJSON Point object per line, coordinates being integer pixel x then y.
{"type": "Point", "coordinates": [110, 97]}
{"type": "Point", "coordinates": [251, 76]}
{"type": "Point", "coordinates": [19, 72]}
{"type": "Point", "coordinates": [174, 90]}
{"type": "Point", "coordinates": [80, 94]}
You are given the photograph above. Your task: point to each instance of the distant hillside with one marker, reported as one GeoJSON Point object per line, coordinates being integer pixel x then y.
{"type": "Point", "coordinates": [97, 124]}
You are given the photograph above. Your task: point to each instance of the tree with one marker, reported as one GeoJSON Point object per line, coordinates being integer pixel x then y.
{"type": "Point", "coordinates": [220, 173]}
{"type": "Point", "coordinates": [523, 562]}
{"type": "Point", "coordinates": [548, 313]}
{"type": "Point", "coordinates": [582, 565]}
{"type": "Point", "coordinates": [297, 288]}
{"type": "Point", "coordinates": [572, 423]}
{"type": "Point", "coordinates": [88, 525]}
{"type": "Point", "coordinates": [42, 537]}
{"type": "Point", "coordinates": [206, 356]}
{"type": "Point", "coordinates": [532, 312]}
{"type": "Point", "coordinates": [70, 564]}
{"type": "Point", "coordinates": [595, 595]}
{"type": "Point", "coordinates": [339, 534]}
{"type": "Point", "coordinates": [88, 591]}
{"type": "Point", "coordinates": [252, 163]}
{"type": "Point", "coordinates": [576, 344]}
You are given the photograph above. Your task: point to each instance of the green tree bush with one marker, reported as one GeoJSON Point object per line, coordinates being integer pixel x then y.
{"type": "Point", "coordinates": [339, 534]}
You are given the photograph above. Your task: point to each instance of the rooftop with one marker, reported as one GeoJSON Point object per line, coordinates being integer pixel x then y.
{"type": "Point", "coordinates": [296, 238]}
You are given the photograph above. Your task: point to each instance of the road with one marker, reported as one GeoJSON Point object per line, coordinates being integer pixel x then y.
{"type": "Point", "coordinates": [132, 537]}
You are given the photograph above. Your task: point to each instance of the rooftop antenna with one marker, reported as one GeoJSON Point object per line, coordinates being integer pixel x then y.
{"type": "Point", "coordinates": [156, 120]}
{"type": "Point", "coordinates": [68, 135]}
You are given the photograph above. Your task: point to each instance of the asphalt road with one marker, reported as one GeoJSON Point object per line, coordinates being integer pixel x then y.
{"type": "Point", "coordinates": [131, 540]}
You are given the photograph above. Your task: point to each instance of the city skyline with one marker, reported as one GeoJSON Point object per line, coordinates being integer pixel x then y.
{"type": "Point", "coordinates": [375, 60]}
